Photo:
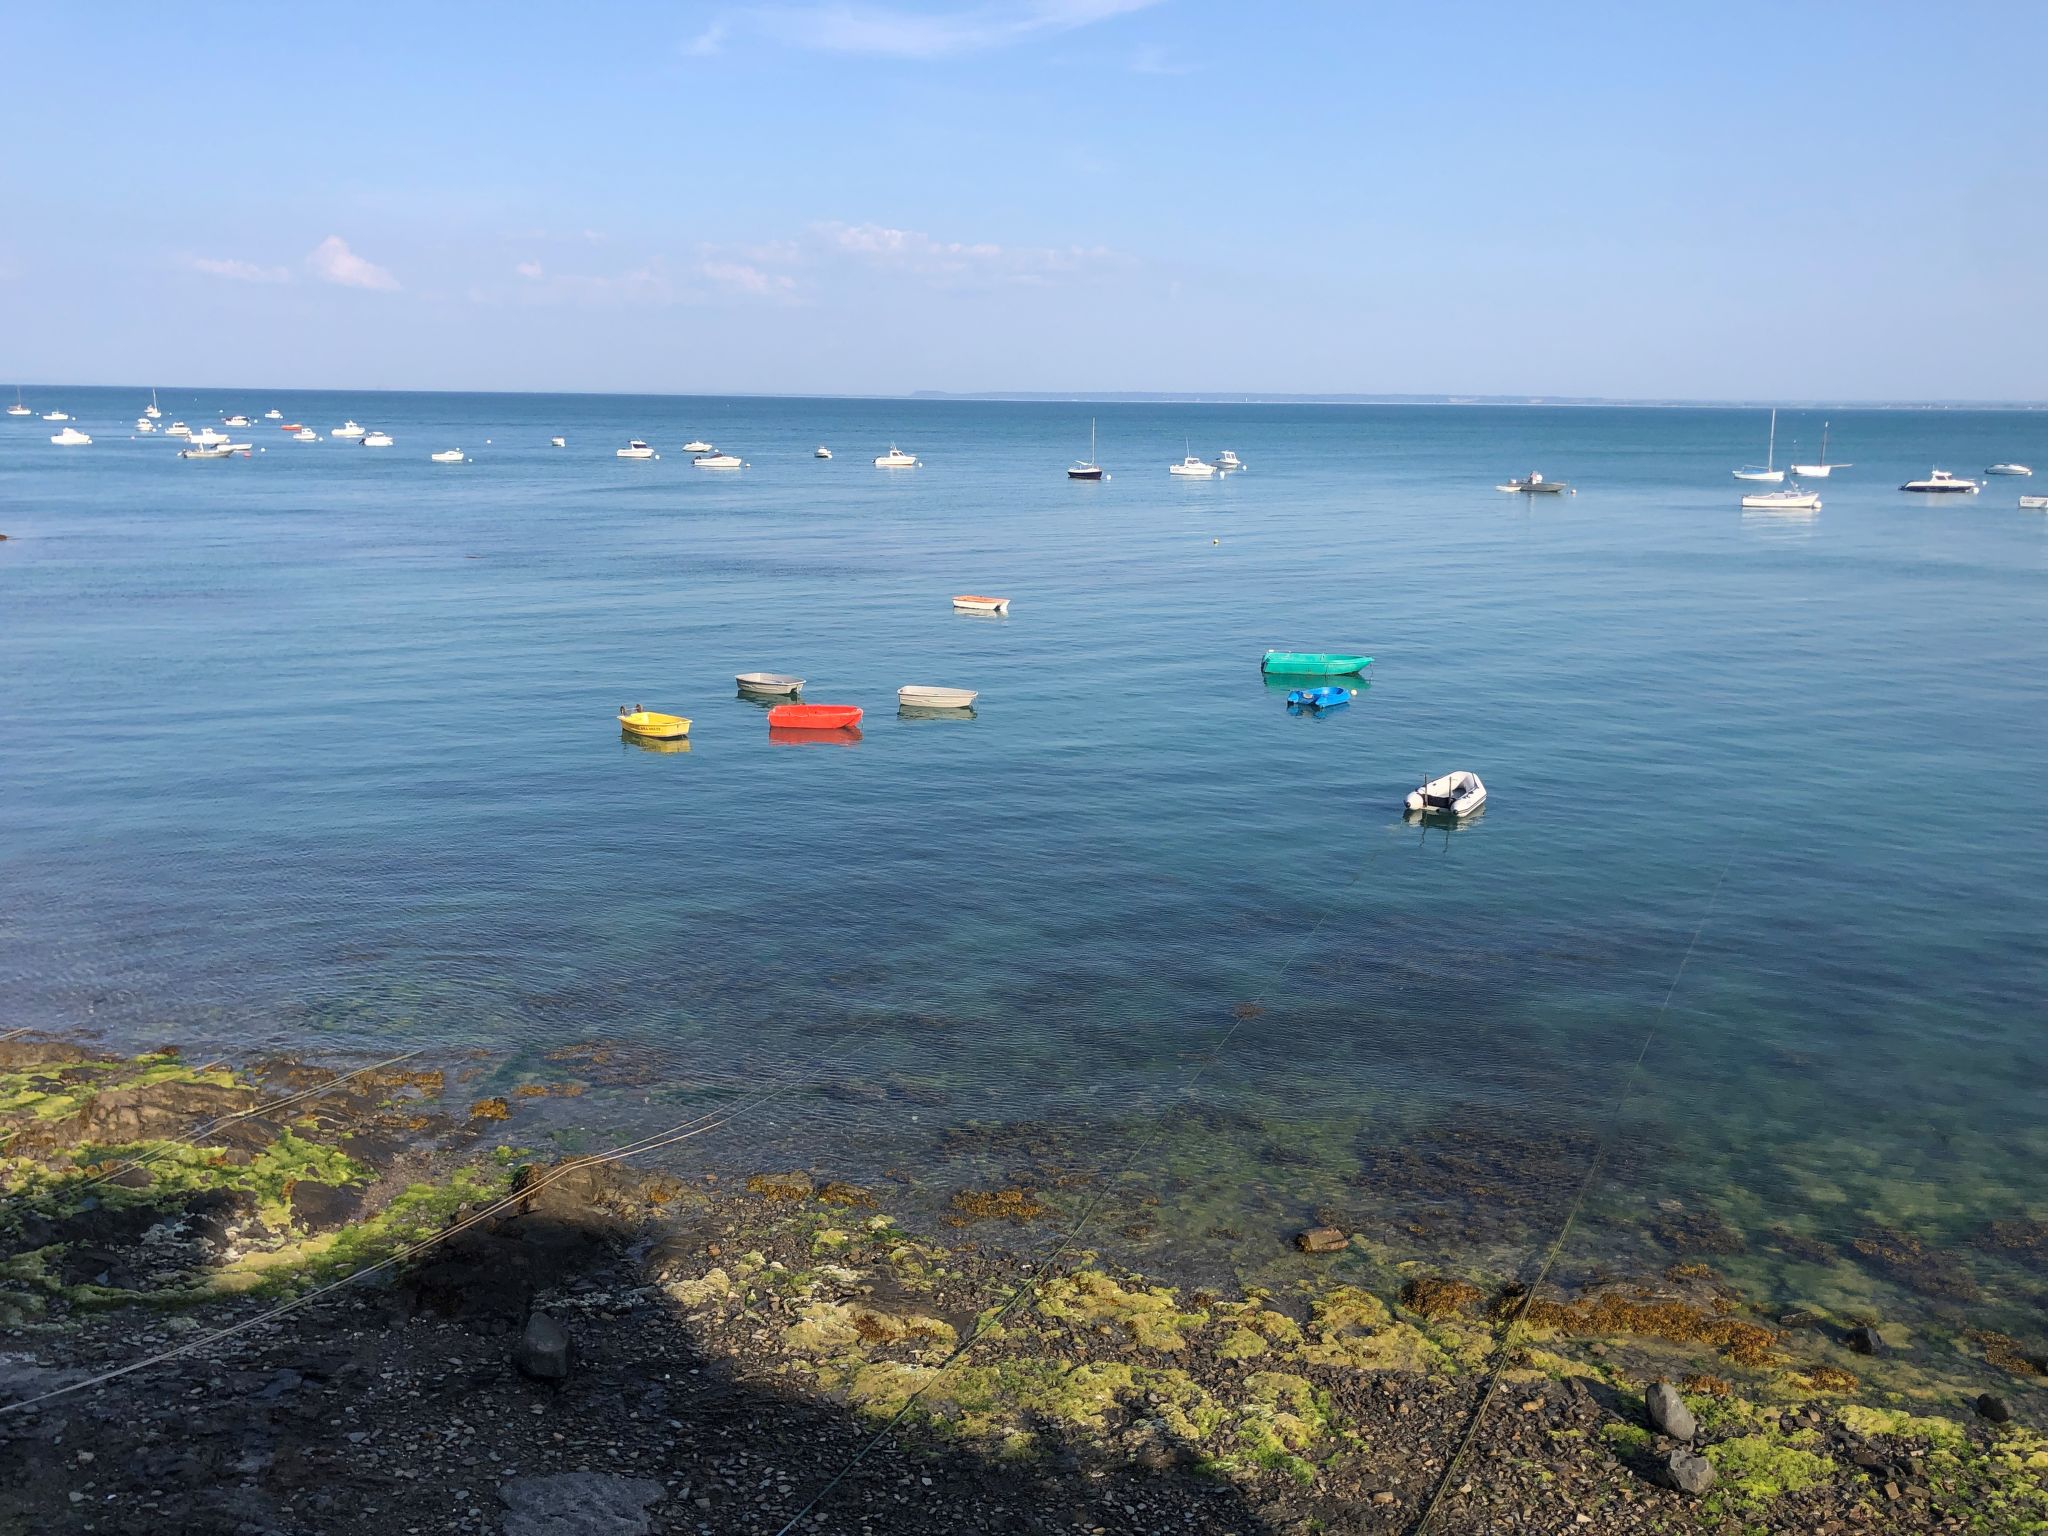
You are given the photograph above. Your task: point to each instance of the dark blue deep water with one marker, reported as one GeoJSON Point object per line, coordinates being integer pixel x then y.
{"type": "Point", "coordinates": [314, 751]}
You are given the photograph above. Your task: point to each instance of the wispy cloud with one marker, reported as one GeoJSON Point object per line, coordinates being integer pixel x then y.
{"type": "Point", "coordinates": [742, 277]}
{"type": "Point", "coordinates": [846, 26]}
{"type": "Point", "coordinates": [236, 270]}
{"type": "Point", "coordinates": [532, 271]}
{"type": "Point", "coordinates": [913, 251]}
{"type": "Point", "coordinates": [708, 42]}
{"type": "Point", "coordinates": [333, 262]}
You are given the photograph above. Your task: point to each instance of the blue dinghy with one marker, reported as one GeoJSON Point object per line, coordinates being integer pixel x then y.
{"type": "Point", "coordinates": [1327, 697]}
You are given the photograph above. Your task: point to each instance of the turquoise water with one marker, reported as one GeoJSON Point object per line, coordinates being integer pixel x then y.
{"type": "Point", "coordinates": [315, 750]}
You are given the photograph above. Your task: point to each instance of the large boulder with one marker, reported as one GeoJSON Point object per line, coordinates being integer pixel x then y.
{"type": "Point", "coordinates": [1667, 1412]}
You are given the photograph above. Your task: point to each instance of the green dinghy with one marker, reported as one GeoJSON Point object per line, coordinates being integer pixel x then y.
{"type": "Point", "coordinates": [1313, 663]}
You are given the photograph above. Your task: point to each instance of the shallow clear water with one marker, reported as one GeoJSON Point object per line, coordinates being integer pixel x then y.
{"type": "Point", "coordinates": [315, 749]}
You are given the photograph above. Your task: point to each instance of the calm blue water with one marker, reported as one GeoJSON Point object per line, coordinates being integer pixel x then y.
{"type": "Point", "coordinates": [315, 749]}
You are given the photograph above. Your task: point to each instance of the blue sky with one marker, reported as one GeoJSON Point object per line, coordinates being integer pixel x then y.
{"type": "Point", "coordinates": [1764, 201]}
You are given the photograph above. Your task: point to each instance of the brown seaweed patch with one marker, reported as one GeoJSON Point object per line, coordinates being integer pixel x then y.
{"type": "Point", "coordinates": [837, 1192]}
{"type": "Point", "coordinates": [1911, 1262]}
{"type": "Point", "coordinates": [1633, 1309]}
{"type": "Point", "coordinates": [1436, 1297]}
{"type": "Point", "coordinates": [1014, 1205]}
{"type": "Point", "coordinates": [1704, 1384]}
{"type": "Point", "coordinates": [1832, 1378]}
{"type": "Point", "coordinates": [2006, 1354]}
{"type": "Point", "coordinates": [781, 1187]}
{"type": "Point", "coordinates": [490, 1109]}
{"type": "Point", "coordinates": [1697, 1230]}
{"type": "Point", "coordinates": [2020, 1237]}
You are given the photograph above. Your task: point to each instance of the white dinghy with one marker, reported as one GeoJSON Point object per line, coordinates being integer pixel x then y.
{"type": "Point", "coordinates": [770, 684]}
{"type": "Point", "coordinates": [1455, 794]}
{"type": "Point", "coordinates": [918, 697]}
{"type": "Point", "coordinates": [2034, 503]}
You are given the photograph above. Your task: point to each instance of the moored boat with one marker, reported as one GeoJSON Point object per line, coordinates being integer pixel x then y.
{"type": "Point", "coordinates": [2008, 469]}
{"type": "Point", "coordinates": [18, 409]}
{"type": "Point", "coordinates": [1794, 499]}
{"type": "Point", "coordinates": [1455, 794]}
{"type": "Point", "coordinates": [719, 461]}
{"type": "Point", "coordinates": [916, 696]}
{"type": "Point", "coordinates": [813, 717]}
{"type": "Point", "coordinates": [769, 684]}
{"type": "Point", "coordinates": [70, 437]}
{"type": "Point", "coordinates": [970, 603]}
{"type": "Point", "coordinates": [376, 439]}
{"type": "Point", "coordinates": [896, 458]}
{"type": "Point", "coordinates": [1940, 482]}
{"type": "Point", "coordinates": [1313, 663]}
{"type": "Point", "coordinates": [1192, 468]}
{"type": "Point", "coordinates": [273, 414]}
{"type": "Point", "coordinates": [698, 446]}
{"type": "Point", "coordinates": [347, 429]}
{"type": "Point", "coordinates": [821, 452]}
{"type": "Point", "coordinates": [144, 424]}
{"type": "Point", "coordinates": [237, 420]}
{"type": "Point", "coordinates": [1535, 485]}
{"type": "Point", "coordinates": [636, 450]}
{"type": "Point", "coordinates": [305, 435]}
{"type": "Point", "coordinates": [558, 442]}
{"type": "Point", "coordinates": [221, 450]}
{"type": "Point", "coordinates": [647, 722]}
{"type": "Point", "coordinates": [448, 456]}
{"type": "Point", "coordinates": [2035, 503]}
{"type": "Point", "coordinates": [291, 426]}
{"type": "Point", "coordinates": [1767, 471]}
{"type": "Point", "coordinates": [1228, 463]}
{"type": "Point", "coordinates": [1327, 696]}
{"type": "Point", "coordinates": [1823, 469]}
{"type": "Point", "coordinates": [55, 416]}
{"type": "Point", "coordinates": [177, 429]}
{"type": "Point", "coordinates": [1086, 469]}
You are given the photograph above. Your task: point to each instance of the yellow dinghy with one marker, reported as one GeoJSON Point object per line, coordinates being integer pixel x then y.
{"type": "Point", "coordinates": [645, 722]}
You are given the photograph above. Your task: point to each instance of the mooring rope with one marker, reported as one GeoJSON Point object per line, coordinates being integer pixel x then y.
{"type": "Point", "coordinates": [1503, 1350]}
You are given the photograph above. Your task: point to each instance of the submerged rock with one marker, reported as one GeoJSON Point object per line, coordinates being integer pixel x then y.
{"type": "Point", "coordinates": [1688, 1473]}
{"type": "Point", "coordinates": [544, 1351]}
{"type": "Point", "coordinates": [1321, 1240]}
{"type": "Point", "coordinates": [1667, 1412]}
{"type": "Point", "coordinates": [1994, 1409]}
{"type": "Point", "coordinates": [1864, 1339]}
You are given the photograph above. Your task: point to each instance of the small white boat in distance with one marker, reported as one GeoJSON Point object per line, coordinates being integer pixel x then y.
{"type": "Point", "coordinates": [1192, 467]}
{"type": "Point", "coordinates": [973, 604]}
{"type": "Point", "coordinates": [55, 416]}
{"type": "Point", "coordinates": [70, 437]}
{"type": "Point", "coordinates": [1821, 470]}
{"type": "Point", "coordinates": [558, 442]}
{"type": "Point", "coordinates": [1795, 499]}
{"type": "Point", "coordinates": [144, 424]}
{"type": "Point", "coordinates": [769, 684]}
{"type": "Point", "coordinates": [348, 429]}
{"type": "Point", "coordinates": [2008, 469]}
{"type": "Point", "coordinates": [273, 414]}
{"type": "Point", "coordinates": [700, 446]}
{"type": "Point", "coordinates": [636, 450]}
{"type": "Point", "coordinates": [206, 437]}
{"type": "Point", "coordinates": [1941, 482]}
{"type": "Point", "coordinates": [223, 450]}
{"type": "Point", "coordinates": [919, 697]}
{"type": "Point", "coordinates": [1768, 470]}
{"type": "Point", "coordinates": [896, 458]}
{"type": "Point", "coordinates": [177, 429]}
{"type": "Point", "coordinates": [1535, 485]}
{"type": "Point", "coordinates": [150, 410]}
{"type": "Point", "coordinates": [2034, 503]}
{"type": "Point", "coordinates": [1455, 794]}
{"type": "Point", "coordinates": [18, 409]}
{"type": "Point", "coordinates": [376, 439]}
{"type": "Point", "coordinates": [719, 461]}
{"type": "Point", "coordinates": [446, 456]}
{"type": "Point", "coordinates": [1228, 462]}
{"type": "Point", "coordinates": [305, 435]}
{"type": "Point", "coordinates": [235, 421]}
{"type": "Point", "coordinates": [822, 452]}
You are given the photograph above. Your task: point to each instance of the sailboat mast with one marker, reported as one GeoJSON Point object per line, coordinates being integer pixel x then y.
{"type": "Point", "coordinates": [1823, 442]}
{"type": "Point", "coordinates": [1771, 450]}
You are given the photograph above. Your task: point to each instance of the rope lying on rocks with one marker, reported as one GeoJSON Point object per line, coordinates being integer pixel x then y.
{"type": "Point", "coordinates": [1067, 1244]}
{"type": "Point", "coordinates": [682, 1130]}
{"type": "Point", "coordinates": [1504, 1347]}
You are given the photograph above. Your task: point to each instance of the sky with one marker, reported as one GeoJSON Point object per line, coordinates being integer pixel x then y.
{"type": "Point", "coordinates": [1762, 201]}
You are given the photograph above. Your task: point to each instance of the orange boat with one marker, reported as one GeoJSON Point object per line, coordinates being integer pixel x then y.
{"type": "Point", "coordinates": [813, 717]}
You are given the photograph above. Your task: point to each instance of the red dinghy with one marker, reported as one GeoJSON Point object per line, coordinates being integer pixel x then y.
{"type": "Point", "coordinates": [813, 717]}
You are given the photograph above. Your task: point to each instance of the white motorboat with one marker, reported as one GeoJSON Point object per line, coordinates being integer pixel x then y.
{"type": "Point", "coordinates": [2008, 469]}
{"type": "Point", "coordinates": [1533, 484]}
{"type": "Point", "coordinates": [235, 421]}
{"type": "Point", "coordinates": [18, 409]}
{"type": "Point", "coordinates": [273, 414]}
{"type": "Point", "coordinates": [1768, 470]}
{"type": "Point", "coordinates": [205, 437]}
{"type": "Point", "coordinates": [347, 429]}
{"type": "Point", "coordinates": [700, 446]}
{"type": "Point", "coordinates": [1793, 499]}
{"type": "Point", "coordinates": [1455, 794]}
{"type": "Point", "coordinates": [222, 450]}
{"type": "Point", "coordinates": [1941, 482]}
{"type": "Point", "coordinates": [70, 437]}
{"type": "Point", "coordinates": [376, 439]}
{"type": "Point", "coordinates": [177, 429]}
{"type": "Point", "coordinates": [558, 442]}
{"type": "Point", "coordinates": [2034, 503]}
{"type": "Point", "coordinates": [822, 452]}
{"type": "Point", "coordinates": [769, 684]}
{"type": "Point", "coordinates": [918, 697]}
{"type": "Point", "coordinates": [719, 461]}
{"type": "Point", "coordinates": [636, 450]}
{"type": "Point", "coordinates": [972, 604]}
{"type": "Point", "coordinates": [305, 435]}
{"type": "Point", "coordinates": [1086, 469]}
{"type": "Point", "coordinates": [150, 410]}
{"type": "Point", "coordinates": [144, 424]}
{"type": "Point", "coordinates": [1193, 467]}
{"type": "Point", "coordinates": [1228, 463]}
{"type": "Point", "coordinates": [896, 458]}
{"type": "Point", "coordinates": [55, 416]}
{"type": "Point", "coordinates": [448, 456]}
{"type": "Point", "coordinates": [1821, 470]}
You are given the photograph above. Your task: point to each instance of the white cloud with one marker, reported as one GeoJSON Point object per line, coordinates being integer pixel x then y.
{"type": "Point", "coordinates": [742, 277]}
{"type": "Point", "coordinates": [913, 251]}
{"type": "Point", "coordinates": [708, 42]}
{"type": "Point", "coordinates": [332, 261]}
{"type": "Point", "coordinates": [530, 270]}
{"type": "Point", "coordinates": [238, 271]}
{"type": "Point", "coordinates": [847, 26]}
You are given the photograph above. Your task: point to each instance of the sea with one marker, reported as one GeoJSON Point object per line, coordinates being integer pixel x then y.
{"type": "Point", "coordinates": [314, 751]}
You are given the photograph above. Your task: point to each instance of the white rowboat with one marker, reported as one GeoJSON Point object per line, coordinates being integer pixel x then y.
{"type": "Point", "coordinates": [916, 697]}
{"type": "Point", "coordinates": [972, 604]}
{"type": "Point", "coordinates": [772, 684]}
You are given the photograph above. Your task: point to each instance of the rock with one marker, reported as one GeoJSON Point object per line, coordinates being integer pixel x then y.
{"type": "Point", "coordinates": [1321, 1240]}
{"type": "Point", "coordinates": [153, 1110]}
{"type": "Point", "coordinates": [1864, 1339]}
{"type": "Point", "coordinates": [322, 1207]}
{"type": "Point", "coordinates": [1668, 1414]}
{"type": "Point", "coordinates": [1688, 1473]}
{"type": "Point", "coordinates": [544, 1350]}
{"type": "Point", "coordinates": [578, 1504]}
{"type": "Point", "coordinates": [1994, 1408]}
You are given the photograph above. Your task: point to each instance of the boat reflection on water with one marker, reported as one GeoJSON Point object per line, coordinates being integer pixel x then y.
{"type": "Point", "coordinates": [933, 712]}
{"type": "Point", "coordinates": [794, 736]}
{"type": "Point", "coordinates": [654, 743]}
{"type": "Point", "coordinates": [1446, 822]}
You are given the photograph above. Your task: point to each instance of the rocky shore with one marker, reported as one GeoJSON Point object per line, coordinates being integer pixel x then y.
{"type": "Point", "coordinates": [540, 1346]}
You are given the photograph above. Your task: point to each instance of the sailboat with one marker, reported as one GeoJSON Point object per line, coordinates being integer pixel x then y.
{"type": "Point", "coordinates": [1087, 469]}
{"type": "Point", "coordinates": [1818, 471]}
{"type": "Point", "coordinates": [152, 413]}
{"type": "Point", "coordinates": [18, 409]}
{"type": "Point", "coordinates": [1769, 471]}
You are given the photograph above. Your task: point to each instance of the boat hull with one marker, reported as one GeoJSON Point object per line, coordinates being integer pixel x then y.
{"type": "Point", "coordinates": [1812, 471]}
{"type": "Point", "coordinates": [769, 684]}
{"type": "Point", "coordinates": [813, 717]}
{"type": "Point", "coordinates": [1313, 663]}
{"type": "Point", "coordinates": [1329, 696]}
{"type": "Point", "coordinates": [973, 604]}
{"type": "Point", "coordinates": [936, 698]}
{"type": "Point", "coordinates": [1089, 473]}
{"type": "Point", "coordinates": [654, 726]}
{"type": "Point", "coordinates": [1455, 794]}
